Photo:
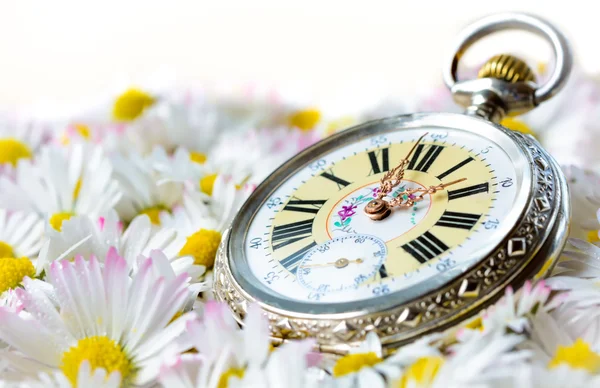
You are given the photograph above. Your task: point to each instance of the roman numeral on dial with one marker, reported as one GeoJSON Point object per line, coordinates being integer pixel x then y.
{"type": "Point", "coordinates": [454, 168]}
{"type": "Point", "coordinates": [420, 162]}
{"type": "Point", "coordinates": [374, 156]}
{"type": "Point", "coordinates": [291, 262]}
{"type": "Point", "coordinates": [425, 247]}
{"type": "Point", "coordinates": [304, 206]}
{"type": "Point", "coordinates": [467, 191]}
{"type": "Point", "coordinates": [339, 181]}
{"type": "Point", "coordinates": [383, 272]}
{"type": "Point", "coordinates": [458, 220]}
{"type": "Point", "coordinates": [287, 234]}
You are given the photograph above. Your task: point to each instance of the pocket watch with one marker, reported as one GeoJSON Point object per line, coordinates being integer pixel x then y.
{"type": "Point", "coordinates": [408, 224]}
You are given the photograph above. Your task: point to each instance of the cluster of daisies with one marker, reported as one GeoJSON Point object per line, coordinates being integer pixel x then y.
{"type": "Point", "coordinates": [109, 228]}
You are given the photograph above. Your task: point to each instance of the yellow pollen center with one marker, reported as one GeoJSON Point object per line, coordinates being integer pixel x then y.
{"type": "Point", "coordinates": [154, 213]}
{"type": "Point", "coordinates": [83, 131]}
{"type": "Point", "coordinates": [224, 379]}
{"type": "Point", "coordinates": [354, 362]}
{"type": "Point", "coordinates": [6, 250]}
{"type": "Point", "coordinates": [422, 371]}
{"type": "Point", "coordinates": [13, 270]}
{"type": "Point", "coordinates": [577, 356]}
{"type": "Point", "coordinates": [517, 125]}
{"type": "Point", "coordinates": [593, 237]}
{"type": "Point", "coordinates": [57, 219]}
{"type": "Point", "coordinates": [304, 120]}
{"type": "Point", "coordinates": [198, 157]}
{"type": "Point", "coordinates": [203, 246]}
{"type": "Point", "coordinates": [475, 324]}
{"type": "Point", "coordinates": [100, 352]}
{"type": "Point", "coordinates": [207, 183]}
{"type": "Point", "coordinates": [11, 150]}
{"type": "Point", "coordinates": [131, 104]}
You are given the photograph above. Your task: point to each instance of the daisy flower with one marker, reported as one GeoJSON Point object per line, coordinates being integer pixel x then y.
{"type": "Point", "coordinates": [83, 236]}
{"type": "Point", "coordinates": [584, 187]}
{"type": "Point", "coordinates": [557, 342]}
{"type": "Point", "coordinates": [178, 122]}
{"type": "Point", "coordinates": [230, 357]}
{"type": "Point", "coordinates": [62, 183]}
{"type": "Point", "coordinates": [202, 220]}
{"type": "Point", "coordinates": [365, 365]}
{"type": "Point", "coordinates": [143, 192]}
{"type": "Point", "coordinates": [578, 276]}
{"type": "Point", "coordinates": [20, 141]}
{"type": "Point", "coordinates": [116, 323]}
{"type": "Point", "coordinates": [20, 241]}
{"type": "Point", "coordinates": [483, 360]}
{"type": "Point", "coordinates": [86, 377]}
{"type": "Point", "coordinates": [512, 312]}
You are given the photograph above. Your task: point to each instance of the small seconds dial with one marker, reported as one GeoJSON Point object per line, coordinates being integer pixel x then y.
{"type": "Point", "coordinates": [342, 263]}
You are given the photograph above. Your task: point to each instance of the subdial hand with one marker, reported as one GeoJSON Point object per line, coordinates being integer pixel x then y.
{"type": "Point", "coordinates": [339, 263]}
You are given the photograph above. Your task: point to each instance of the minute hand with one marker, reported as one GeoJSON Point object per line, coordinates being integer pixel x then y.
{"type": "Point", "coordinates": [411, 196]}
{"type": "Point", "coordinates": [393, 177]}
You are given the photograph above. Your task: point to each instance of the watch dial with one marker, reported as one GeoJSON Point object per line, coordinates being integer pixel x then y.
{"type": "Point", "coordinates": [311, 241]}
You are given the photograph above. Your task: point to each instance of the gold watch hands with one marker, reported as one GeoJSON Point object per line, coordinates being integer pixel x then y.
{"type": "Point", "coordinates": [339, 263]}
{"type": "Point", "coordinates": [411, 196]}
{"type": "Point", "coordinates": [393, 177]}
{"type": "Point", "coordinates": [378, 209]}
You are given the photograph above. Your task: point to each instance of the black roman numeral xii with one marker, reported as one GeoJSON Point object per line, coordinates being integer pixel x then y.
{"type": "Point", "coordinates": [374, 157]}
{"type": "Point", "coordinates": [420, 162]}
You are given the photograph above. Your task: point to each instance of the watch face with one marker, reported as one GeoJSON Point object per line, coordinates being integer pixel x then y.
{"type": "Point", "coordinates": [307, 245]}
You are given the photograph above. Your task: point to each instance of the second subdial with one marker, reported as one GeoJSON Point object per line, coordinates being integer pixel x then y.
{"type": "Point", "coordinates": [341, 263]}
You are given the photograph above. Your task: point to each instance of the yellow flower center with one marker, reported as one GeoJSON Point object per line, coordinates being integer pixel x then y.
{"type": "Point", "coordinates": [11, 150]}
{"type": "Point", "coordinates": [593, 237]}
{"type": "Point", "coordinates": [475, 324]}
{"type": "Point", "coordinates": [224, 379]}
{"type": "Point", "coordinates": [57, 219]}
{"type": "Point", "coordinates": [422, 371]}
{"type": "Point", "coordinates": [203, 246]}
{"type": "Point", "coordinates": [13, 270]}
{"type": "Point", "coordinates": [83, 131]}
{"type": "Point", "coordinates": [207, 183]}
{"type": "Point", "coordinates": [198, 157]}
{"type": "Point", "coordinates": [6, 250]}
{"type": "Point", "coordinates": [154, 213]}
{"type": "Point", "coordinates": [354, 362]}
{"type": "Point", "coordinates": [100, 352]}
{"type": "Point", "coordinates": [131, 104]}
{"type": "Point", "coordinates": [517, 125]}
{"type": "Point", "coordinates": [305, 119]}
{"type": "Point", "coordinates": [577, 356]}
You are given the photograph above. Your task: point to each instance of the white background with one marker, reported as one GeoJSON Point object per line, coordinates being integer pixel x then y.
{"type": "Point", "coordinates": [62, 53]}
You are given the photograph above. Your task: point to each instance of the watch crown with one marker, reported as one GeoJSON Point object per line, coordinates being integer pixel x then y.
{"type": "Point", "coordinates": [507, 68]}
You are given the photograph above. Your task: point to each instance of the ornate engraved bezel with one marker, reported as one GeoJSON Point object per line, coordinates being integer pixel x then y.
{"type": "Point", "coordinates": [528, 251]}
